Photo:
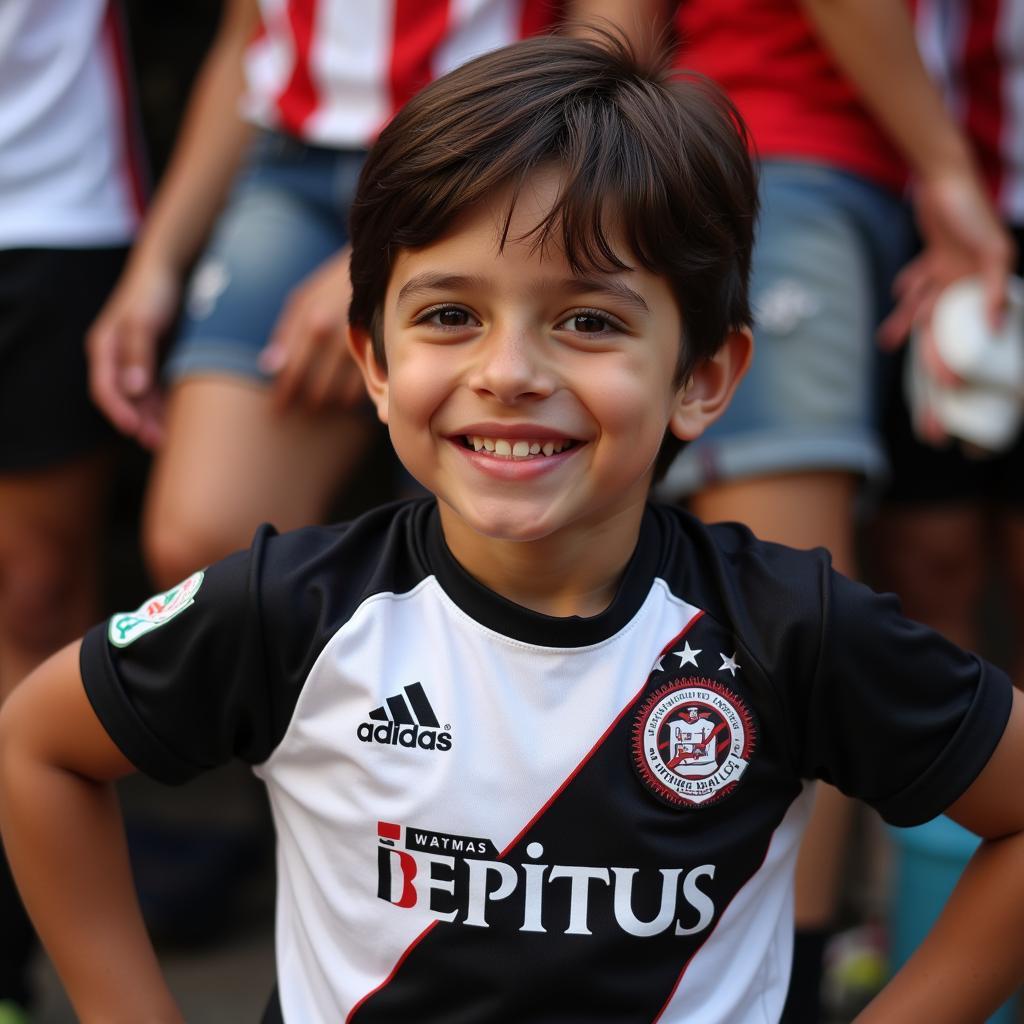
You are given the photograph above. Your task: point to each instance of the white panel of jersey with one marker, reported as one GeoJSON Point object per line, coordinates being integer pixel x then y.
{"type": "Point", "coordinates": [65, 158]}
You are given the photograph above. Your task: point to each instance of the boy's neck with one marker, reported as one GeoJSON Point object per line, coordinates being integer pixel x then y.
{"type": "Point", "coordinates": [570, 573]}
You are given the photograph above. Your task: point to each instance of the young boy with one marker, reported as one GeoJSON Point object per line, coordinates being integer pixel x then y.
{"type": "Point", "coordinates": [536, 750]}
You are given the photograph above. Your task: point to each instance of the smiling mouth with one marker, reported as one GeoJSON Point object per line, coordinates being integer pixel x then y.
{"type": "Point", "coordinates": [516, 448]}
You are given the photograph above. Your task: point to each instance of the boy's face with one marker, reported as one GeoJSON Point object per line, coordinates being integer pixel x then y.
{"type": "Point", "coordinates": [531, 400]}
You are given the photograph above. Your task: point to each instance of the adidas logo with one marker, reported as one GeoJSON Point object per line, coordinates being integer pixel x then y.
{"type": "Point", "coordinates": [406, 721]}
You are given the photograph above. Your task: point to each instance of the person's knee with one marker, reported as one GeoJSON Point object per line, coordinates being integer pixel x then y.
{"type": "Point", "coordinates": [40, 594]}
{"type": "Point", "coordinates": [936, 565]}
{"type": "Point", "coordinates": [176, 542]}
{"type": "Point", "coordinates": [948, 570]}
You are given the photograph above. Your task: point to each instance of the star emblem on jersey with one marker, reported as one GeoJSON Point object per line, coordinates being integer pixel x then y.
{"type": "Point", "coordinates": [728, 663]}
{"type": "Point", "coordinates": [692, 741]}
{"type": "Point", "coordinates": [687, 656]}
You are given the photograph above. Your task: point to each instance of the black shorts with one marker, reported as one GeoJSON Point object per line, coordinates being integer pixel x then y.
{"type": "Point", "coordinates": [48, 299]}
{"type": "Point", "coordinates": [921, 473]}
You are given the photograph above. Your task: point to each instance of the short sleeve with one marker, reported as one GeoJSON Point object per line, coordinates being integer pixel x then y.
{"type": "Point", "coordinates": [895, 714]}
{"type": "Point", "coordinates": [180, 684]}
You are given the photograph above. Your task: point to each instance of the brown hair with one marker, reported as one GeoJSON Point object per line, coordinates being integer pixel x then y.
{"type": "Point", "coordinates": [660, 160]}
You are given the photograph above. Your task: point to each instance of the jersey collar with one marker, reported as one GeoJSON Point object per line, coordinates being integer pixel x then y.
{"type": "Point", "coordinates": [497, 613]}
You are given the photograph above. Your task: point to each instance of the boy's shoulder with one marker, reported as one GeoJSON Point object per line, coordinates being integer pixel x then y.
{"type": "Point", "coordinates": [383, 549]}
{"type": "Point", "coordinates": [782, 605]}
{"type": "Point", "coordinates": [725, 566]}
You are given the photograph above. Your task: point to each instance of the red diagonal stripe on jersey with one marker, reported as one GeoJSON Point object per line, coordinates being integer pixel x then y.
{"type": "Point", "coordinates": [299, 98]}
{"type": "Point", "coordinates": [704, 941]}
{"type": "Point", "coordinates": [593, 750]}
{"type": "Point", "coordinates": [394, 970]}
{"type": "Point", "coordinates": [554, 796]}
{"type": "Point", "coordinates": [420, 27]}
{"type": "Point", "coordinates": [983, 90]}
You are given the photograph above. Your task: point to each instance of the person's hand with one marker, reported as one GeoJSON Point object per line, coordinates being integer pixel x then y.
{"type": "Point", "coordinates": [962, 236]}
{"type": "Point", "coordinates": [307, 353]}
{"type": "Point", "coordinates": [122, 347]}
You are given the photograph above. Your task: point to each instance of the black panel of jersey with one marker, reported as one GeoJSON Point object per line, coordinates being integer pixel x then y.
{"type": "Point", "coordinates": [486, 814]}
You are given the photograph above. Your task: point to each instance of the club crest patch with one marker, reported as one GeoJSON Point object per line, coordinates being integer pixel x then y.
{"type": "Point", "coordinates": [126, 627]}
{"type": "Point", "coordinates": [692, 741]}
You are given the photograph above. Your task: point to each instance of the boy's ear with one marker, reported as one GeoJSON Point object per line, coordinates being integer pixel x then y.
{"type": "Point", "coordinates": [706, 395]}
{"type": "Point", "coordinates": [375, 377]}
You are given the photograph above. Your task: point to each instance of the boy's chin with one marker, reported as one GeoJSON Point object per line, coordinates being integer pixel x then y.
{"type": "Point", "coordinates": [507, 522]}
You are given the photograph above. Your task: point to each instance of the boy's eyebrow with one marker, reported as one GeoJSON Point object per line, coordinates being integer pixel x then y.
{"type": "Point", "coordinates": [427, 282]}
{"type": "Point", "coordinates": [612, 285]}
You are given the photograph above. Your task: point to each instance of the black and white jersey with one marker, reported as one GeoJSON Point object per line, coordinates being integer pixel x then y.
{"type": "Point", "coordinates": [487, 814]}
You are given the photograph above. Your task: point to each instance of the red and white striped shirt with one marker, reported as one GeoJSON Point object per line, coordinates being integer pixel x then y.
{"type": "Point", "coordinates": [70, 167]}
{"type": "Point", "coordinates": [975, 50]}
{"type": "Point", "coordinates": [332, 72]}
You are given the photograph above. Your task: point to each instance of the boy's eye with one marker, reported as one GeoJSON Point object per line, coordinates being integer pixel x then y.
{"type": "Point", "coordinates": [447, 316]}
{"type": "Point", "coordinates": [452, 317]}
{"type": "Point", "coordinates": [589, 322]}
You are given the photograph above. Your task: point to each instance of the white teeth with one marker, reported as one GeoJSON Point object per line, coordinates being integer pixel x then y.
{"type": "Point", "coordinates": [510, 448]}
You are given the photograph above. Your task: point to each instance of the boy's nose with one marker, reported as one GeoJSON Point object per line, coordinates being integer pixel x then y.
{"type": "Point", "coordinates": [511, 367]}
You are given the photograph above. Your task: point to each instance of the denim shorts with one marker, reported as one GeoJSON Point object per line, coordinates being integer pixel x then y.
{"type": "Point", "coordinates": [828, 247]}
{"type": "Point", "coordinates": [287, 213]}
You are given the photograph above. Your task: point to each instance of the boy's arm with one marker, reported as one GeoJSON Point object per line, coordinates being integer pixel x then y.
{"type": "Point", "coordinates": [973, 958]}
{"type": "Point", "coordinates": [65, 842]}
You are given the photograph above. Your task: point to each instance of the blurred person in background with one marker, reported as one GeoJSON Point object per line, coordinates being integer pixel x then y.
{"type": "Point", "coordinates": [839, 107]}
{"type": "Point", "coordinates": [71, 189]}
{"type": "Point", "coordinates": [259, 414]}
{"type": "Point", "coordinates": [947, 513]}
{"type": "Point", "coordinates": [950, 514]}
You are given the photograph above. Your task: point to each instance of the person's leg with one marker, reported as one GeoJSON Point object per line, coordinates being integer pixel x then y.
{"type": "Point", "coordinates": [231, 462]}
{"type": "Point", "coordinates": [803, 510]}
{"type": "Point", "coordinates": [49, 524]}
{"type": "Point", "coordinates": [935, 557]}
{"type": "Point", "coordinates": [54, 470]}
{"type": "Point", "coordinates": [930, 542]}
